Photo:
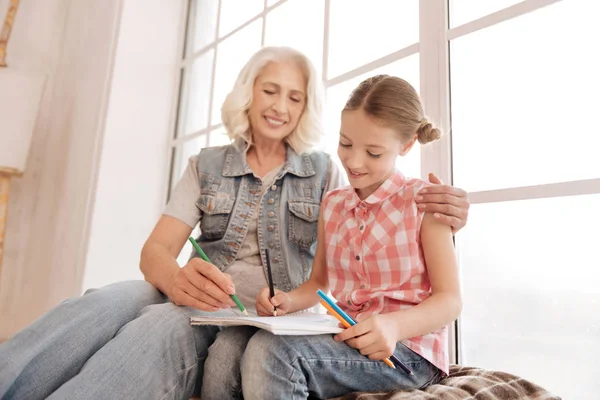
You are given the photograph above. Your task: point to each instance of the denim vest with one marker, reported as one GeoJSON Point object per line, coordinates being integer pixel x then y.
{"type": "Point", "coordinates": [288, 212]}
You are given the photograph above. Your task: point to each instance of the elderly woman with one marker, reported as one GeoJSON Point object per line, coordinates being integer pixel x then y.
{"type": "Point", "coordinates": [133, 339]}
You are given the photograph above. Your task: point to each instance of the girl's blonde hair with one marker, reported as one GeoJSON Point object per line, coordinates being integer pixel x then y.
{"type": "Point", "coordinates": [234, 111]}
{"type": "Point", "coordinates": [393, 103]}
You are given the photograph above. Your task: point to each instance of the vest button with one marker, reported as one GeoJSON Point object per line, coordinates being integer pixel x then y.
{"type": "Point", "coordinates": [274, 187]}
{"type": "Point", "coordinates": [270, 228]}
{"type": "Point", "coordinates": [270, 245]}
{"type": "Point", "coordinates": [271, 214]}
{"type": "Point", "coordinates": [271, 201]}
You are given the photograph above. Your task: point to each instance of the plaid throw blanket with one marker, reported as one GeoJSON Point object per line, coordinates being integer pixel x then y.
{"type": "Point", "coordinates": [467, 383]}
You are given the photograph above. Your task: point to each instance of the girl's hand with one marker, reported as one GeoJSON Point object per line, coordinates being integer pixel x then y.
{"type": "Point", "coordinates": [201, 285]}
{"type": "Point", "coordinates": [265, 304]}
{"type": "Point", "coordinates": [374, 337]}
{"type": "Point", "coordinates": [448, 204]}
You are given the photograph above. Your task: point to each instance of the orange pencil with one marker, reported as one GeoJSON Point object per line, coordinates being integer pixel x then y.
{"type": "Point", "coordinates": [347, 325]}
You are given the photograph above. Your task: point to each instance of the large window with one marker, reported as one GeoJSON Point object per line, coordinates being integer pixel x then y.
{"type": "Point", "coordinates": [514, 84]}
{"type": "Point", "coordinates": [525, 84]}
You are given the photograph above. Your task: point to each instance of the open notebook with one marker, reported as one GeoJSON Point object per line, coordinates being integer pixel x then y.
{"type": "Point", "coordinates": [307, 323]}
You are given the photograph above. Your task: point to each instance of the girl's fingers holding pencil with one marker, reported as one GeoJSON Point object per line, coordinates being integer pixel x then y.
{"type": "Point", "coordinates": [262, 302]}
{"type": "Point", "coordinates": [347, 334]}
{"type": "Point", "coordinates": [375, 351]}
{"type": "Point", "coordinates": [373, 334]}
{"type": "Point", "coordinates": [263, 311]}
{"type": "Point", "coordinates": [380, 355]}
{"type": "Point", "coordinates": [281, 300]}
{"type": "Point", "coordinates": [265, 303]}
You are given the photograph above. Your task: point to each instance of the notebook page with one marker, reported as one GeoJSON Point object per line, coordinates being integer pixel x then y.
{"type": "Point", "coordinates": [305, 323]}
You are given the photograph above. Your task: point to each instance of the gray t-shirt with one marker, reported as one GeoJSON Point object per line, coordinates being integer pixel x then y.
{"type": "Point", "coordinates": [247, 268]}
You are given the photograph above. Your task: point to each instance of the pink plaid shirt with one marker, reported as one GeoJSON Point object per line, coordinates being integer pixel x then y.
{"type": "Point", "coordinates": [375, 259]}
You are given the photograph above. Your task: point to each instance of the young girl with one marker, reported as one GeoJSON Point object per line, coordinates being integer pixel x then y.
{"type": "Point", "coordinates": [390, 266]}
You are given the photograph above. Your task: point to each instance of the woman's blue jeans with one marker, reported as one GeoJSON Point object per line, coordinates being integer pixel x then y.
{"type": "Point", "coordinates": [126, 340]}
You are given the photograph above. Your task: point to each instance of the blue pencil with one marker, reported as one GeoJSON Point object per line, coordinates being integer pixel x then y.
{"type": "Point", "coordinates": [349, 319]}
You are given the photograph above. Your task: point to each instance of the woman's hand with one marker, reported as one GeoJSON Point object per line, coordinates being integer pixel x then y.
{"type": "Point", "coordinates": [265, 304]}
{"type": "Point", "coordinates": [374, 337]}
{"type": "Point", "coordinates": [448, 204]}
{"type": "Point", "coordinates": [201, 285]}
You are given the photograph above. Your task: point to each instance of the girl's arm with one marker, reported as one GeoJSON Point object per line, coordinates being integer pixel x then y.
{"type": "Point", "coordinates": [378, 334]}
{"type": "Point", "coordinates": [305, 295]}
{"type": "Point", "coordinates": [445, 303]}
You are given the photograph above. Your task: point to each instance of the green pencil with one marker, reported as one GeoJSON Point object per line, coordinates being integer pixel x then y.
{"type": "Point", "coordinates": [205, 258]}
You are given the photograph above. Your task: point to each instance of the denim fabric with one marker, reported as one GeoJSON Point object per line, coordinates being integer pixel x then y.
{"type": "Point", "coordinates": [299, 366]}
{"type": "Point", "coordinates": [127, 340]}
{"type": "Point", "coordinates": [124, 341]}
{"type": "Point", "coordinates": [288, 213]}
{"type": "Point", "coordinates": [222, 378]}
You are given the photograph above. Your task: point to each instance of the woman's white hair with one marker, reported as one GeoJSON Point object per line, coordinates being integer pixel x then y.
{"type": "Point", "coordinates": [234, 111]}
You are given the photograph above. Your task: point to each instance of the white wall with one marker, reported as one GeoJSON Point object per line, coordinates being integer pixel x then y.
{"type": "Point", "coordinates": [49, 207]}
{"type": "Point", "coordinates": [132, 181]}
{"type": "Point", "coordinates": [95, 179]}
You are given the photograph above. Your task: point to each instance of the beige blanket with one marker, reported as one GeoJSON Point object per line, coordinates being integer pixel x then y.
{"type": "Point", "coordinates": [467, 383]}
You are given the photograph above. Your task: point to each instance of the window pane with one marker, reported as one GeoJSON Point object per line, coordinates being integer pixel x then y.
{"type": "Point", "coordinates": [361, 31]}
{"type": "Point", "coordinates": [183, 152]}
{"type": "Point", "coordinates": [521, 116]}
{"type": "Point", "coordinates": [196, 94]}
{"type": "Point", "coordinates": [218, 137]}
{"type": "Point", "coordinates": [202, 26]}
{"type": "Point", "coordinates": [235, 13]}
{"type": "Point", "coordinates": [531, 297]}
{"type": "Point", "coordinates": [463, 11]}
{"type": "Point", "coordinates": [232, 54]}
{"type": "Point", "coordinates": [286, 21]}
{"type": "Point", "coordinates": [407, 68]}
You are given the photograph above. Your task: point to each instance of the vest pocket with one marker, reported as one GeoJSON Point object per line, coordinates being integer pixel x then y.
{"type": "Point", "coordinates": [303, 221]}
{"type": "Point", "coordinates": [215, 215]}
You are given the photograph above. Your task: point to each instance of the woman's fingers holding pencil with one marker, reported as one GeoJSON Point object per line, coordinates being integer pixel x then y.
{"type": "Point", "coordinates": [212, 283]}
{"type": "Point", "coordinates": [180, 297]}
{"type": "Point", "coordinates": [215, 276]}
{"type": "Point", "coordinates": [183, 293]}
{"type": "Point", "coordinates": [202, 286]}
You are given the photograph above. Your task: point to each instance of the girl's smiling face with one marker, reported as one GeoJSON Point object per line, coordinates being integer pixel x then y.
{"type": "Point", "coordinates": [368, 151]}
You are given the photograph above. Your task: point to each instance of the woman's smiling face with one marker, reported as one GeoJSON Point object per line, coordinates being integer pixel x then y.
{"type": "Point", "coordinates": [278, 100]}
